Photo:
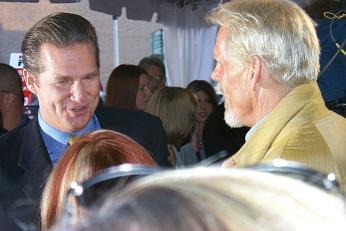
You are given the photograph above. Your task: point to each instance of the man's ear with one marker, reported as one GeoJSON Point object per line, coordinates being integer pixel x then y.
{"type": "Point", "coordinates": [30, 81]}
{"type": "Point", "coordinates": [255, 71]}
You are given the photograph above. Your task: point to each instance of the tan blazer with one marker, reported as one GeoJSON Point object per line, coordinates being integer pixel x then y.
{"type": "Point", "coordinates": [300, 128]}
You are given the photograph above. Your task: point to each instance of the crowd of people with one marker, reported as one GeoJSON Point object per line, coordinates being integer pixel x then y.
{"type": "Point", "coordinates": [267, 64]}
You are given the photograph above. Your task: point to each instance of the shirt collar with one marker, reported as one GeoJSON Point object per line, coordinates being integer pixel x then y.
{"type": "Point", "coordinates": [254, 128]}
{"type": "Point", "coordinates": [62, 137]}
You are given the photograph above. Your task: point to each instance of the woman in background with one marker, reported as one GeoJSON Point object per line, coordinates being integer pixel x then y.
{"type": "Point", "coordinates": [128, 87]}
{"type": "Point", "coordinates": [206, 102]}
{"type": "Point", "coordinates": [175, 107]}
{"type": "Point", "coordinates": [88, 155]}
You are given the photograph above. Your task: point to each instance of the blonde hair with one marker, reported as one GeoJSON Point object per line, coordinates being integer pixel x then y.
{"type": "Point", "coordinates": [83, 159]}
{"type": "Point", "coordinates": [219, 199]}
{"type": "Point", "coordinates": [176, 108]}
{"type": "Point", "coordinates": [278, 31]}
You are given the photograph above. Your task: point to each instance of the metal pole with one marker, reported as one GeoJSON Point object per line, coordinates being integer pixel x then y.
{"type": "Point", "coordinates": [115, 41]}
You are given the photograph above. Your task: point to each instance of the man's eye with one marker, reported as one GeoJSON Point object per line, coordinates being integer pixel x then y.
{"type": "Point", "coordinates": [89, 77]}
{"type": "Point", "coordinates": [63, 82]}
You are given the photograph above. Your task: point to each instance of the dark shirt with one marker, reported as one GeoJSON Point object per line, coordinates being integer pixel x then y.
{"type": "Point", "coordinates": [2, 131]}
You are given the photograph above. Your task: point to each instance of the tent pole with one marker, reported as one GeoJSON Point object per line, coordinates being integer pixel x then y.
{"type": "Point", "coordinates": [115, 41]}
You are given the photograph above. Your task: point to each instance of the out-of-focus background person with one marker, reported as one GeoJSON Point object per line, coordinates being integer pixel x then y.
{"type": "Point", "coordinates": [176, 108]}
{"type": "Point", "coordinates": [128, 87]}
{"type": "Point", "coordinates": [11, 98]}
{"type": "Point", "coordinates": [156, 71]}
{"type": "Point", "coordinates": [206, 103]}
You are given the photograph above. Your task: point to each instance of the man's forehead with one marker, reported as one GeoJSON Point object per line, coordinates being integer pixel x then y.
{"type": "Point", "coordinates": [221, 36]}
{"type": "Point", "coordinates": [63, 55]}
{"type": "Point", "coordinates": [154, 69]}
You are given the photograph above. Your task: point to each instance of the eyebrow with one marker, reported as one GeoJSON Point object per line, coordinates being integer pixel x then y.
{"type": "Point", "coordinates": [69, 76]}
{"type": "Point", "coordinates": [97, 72]}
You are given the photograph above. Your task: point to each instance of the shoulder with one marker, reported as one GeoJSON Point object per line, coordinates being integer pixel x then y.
{"type": "Point", "coordinates": [301, 143]}
{"type": "Point", "coordinates": [114, 115]}
{"type": "Point", "coordinates": [11, 142]}
{"type": "Point", "coordinates": [10, 137]}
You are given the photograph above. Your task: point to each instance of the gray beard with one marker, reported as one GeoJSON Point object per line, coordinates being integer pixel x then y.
{"type": "Point", "coordinates": [232, 120]}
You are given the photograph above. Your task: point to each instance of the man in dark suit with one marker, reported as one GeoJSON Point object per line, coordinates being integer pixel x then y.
{"type": "Point", "coordinates": [61, 67]}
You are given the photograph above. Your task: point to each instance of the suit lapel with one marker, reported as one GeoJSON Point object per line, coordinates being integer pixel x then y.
{"type": "Point", "coordinates": [35, 161]}
{"type": "Point", "coordinates": [282, 117]}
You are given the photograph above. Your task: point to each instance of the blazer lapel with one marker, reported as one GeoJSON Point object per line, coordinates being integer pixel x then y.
{"type": "Point", "coordinates": [34, 160]}
{"type": "Point", "coordinates": [256, 149]}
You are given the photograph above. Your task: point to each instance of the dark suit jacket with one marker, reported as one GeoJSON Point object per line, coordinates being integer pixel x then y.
{"type": "Point", "coordinates": [25, 163]}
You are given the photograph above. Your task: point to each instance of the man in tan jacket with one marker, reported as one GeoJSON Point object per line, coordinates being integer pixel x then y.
{"type": "Point", "coordinates": [267, 54]}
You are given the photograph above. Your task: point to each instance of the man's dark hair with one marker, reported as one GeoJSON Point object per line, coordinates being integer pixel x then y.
{"type": "Point", "coordinates": [155, 61]}
{"type": "Point", "coordinates": [61, 30]}
{"type": "Point", "coordinates": [10, 81]}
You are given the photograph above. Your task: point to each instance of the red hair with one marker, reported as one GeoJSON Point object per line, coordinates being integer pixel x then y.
{"type": "Point", "coordinates": [122, 86]}
{"type": "Point", "coordinates": [83, 159]}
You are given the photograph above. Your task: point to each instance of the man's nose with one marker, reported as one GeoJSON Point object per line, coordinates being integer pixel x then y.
{"type": "Point", "coordinates": [214, 75]}
{"type": "Point", "coordinates": [78, 91]}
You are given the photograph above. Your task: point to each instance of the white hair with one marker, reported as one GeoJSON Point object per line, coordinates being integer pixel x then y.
{"type": "Point", "coordinates": [278, 31]}
{"type": "Point", "coordinates": [231, 119]}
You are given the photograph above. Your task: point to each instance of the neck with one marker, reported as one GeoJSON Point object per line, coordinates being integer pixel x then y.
{"type": "Point", "coordinates": [199, 125]}
{"type": "Point", "coordinates": [196, 137]}
{"type": "Point", "coordinates": [267, 101]}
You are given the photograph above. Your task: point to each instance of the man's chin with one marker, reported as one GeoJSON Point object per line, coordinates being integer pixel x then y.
{"type": "Point", "coordinates": [231, 120]}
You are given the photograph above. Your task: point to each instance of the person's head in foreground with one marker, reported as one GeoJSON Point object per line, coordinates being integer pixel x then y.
{"type": "Point", "coordinates": [218, 199]}
{"type": "Point", "coordinates": [264, 49]}
{"type": "Point", "coordinates": [87, 156]}
{"type": "Point", "coordinates": [61, 67]}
